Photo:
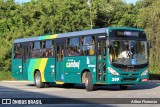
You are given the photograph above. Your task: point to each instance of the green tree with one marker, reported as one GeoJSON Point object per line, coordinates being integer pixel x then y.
{"type": "Point", "coordinates": [149, 19]}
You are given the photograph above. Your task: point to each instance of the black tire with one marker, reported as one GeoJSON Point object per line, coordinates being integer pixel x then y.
{"type": "Point", "coordinates": [88, 82]}
{"type": "Point", "coordinates": [122, 87]}
{"type": "Point", "coordinates": [38, 81]}
{"type": "Point", "coordinates": [68, 85]}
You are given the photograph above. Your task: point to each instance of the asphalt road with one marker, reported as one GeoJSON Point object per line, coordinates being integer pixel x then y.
{"type": "Point", "coordinates": [20, 90]}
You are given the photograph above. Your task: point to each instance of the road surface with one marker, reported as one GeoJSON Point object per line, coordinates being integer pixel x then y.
{"type": "Point", "coordinates": [24, 89]}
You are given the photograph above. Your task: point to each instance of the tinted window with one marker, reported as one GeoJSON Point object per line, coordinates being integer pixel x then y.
{"type": "Point", "coordinates": [48, 48]}
{"type": "Point", "coordinates": [73, 47]}
{"type": "Point", "coordinates": [17, 51]}
{"type": "Point", "coordinates": [88, 45]}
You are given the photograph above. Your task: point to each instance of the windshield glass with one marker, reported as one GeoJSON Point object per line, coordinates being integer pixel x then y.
{"type": "Point", "coordinates": [128, 52]}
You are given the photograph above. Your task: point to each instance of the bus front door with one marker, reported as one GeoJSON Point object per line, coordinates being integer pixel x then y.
{"type": "Point", "coordinates": [101, 61]}
{"type": "Point", "coordinates": [25, 49]}
{"type": "Point", "coordinates": [59, 62]}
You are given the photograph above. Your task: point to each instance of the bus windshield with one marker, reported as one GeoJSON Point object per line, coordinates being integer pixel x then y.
{"type": "Point", "coordinates": [128, 52]}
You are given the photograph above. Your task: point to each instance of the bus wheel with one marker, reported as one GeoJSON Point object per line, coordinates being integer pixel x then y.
{"type": "Point", "coordinates": [122, 87]}
{"type": "Point", "coordinates": [38, 80]}
{"type": "Point", "coordinates": [88, 82]}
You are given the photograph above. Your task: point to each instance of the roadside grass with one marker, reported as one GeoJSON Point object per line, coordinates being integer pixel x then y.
{"type": "Point", "coordinates": [154, 73]}
{"type": "Point", "coordinates": [6, 75]}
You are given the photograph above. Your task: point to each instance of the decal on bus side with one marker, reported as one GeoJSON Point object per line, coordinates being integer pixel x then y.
{"type": "Point", "coordinates": [73, 64]}
{"type": "Point", "coordinates": [88, 62]}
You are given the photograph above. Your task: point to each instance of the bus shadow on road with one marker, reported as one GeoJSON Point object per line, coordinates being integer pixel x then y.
{"type": "Point", "coordinates": [52, 85]}
{"type": "Point", "coordinates": [149, 85]}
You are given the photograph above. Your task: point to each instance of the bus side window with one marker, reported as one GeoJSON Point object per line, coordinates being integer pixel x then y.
{"type": "Point", "coordinates": [32, 50]}
{"type": "Point", "coordinates": [31, 53]}
{"type": "Point", "coordinates": [29, 50]}
{"type": "Point", "coordinates": [88, 45]}
{"type": "Point", "coordinates": [49, 49]}
{"type": "Point", "coordinates": [17, 51]}
{"type": "Point", "coordinates": [73, 46]}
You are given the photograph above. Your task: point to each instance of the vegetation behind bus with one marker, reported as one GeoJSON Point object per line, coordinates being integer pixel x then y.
{"type": "Point", "coordinates": [6, 75]}
{"type": "Point", "coordinates": [19, 21]}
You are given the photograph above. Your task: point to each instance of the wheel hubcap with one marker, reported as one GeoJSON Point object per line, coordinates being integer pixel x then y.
{"type": "Point", "coordinates": [37, 80]}
{"type": "Point", "coordinates": [86, 82]}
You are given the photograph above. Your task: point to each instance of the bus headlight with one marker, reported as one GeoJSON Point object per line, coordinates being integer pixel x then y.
{"type": "Point", "coordinates": [112, 71]}
{"type": "Point", "coordinates": [145, 72]}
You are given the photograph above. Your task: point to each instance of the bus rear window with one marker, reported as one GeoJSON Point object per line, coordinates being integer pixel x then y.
{"type": "Point", "coordinates": [17, 51]}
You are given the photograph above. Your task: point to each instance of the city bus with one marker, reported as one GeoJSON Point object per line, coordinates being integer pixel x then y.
{"type": "Point", "coordinates": [104, 56]}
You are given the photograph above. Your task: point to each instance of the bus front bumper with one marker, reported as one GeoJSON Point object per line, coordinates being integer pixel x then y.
{"type": "Point", "coordinates": [127, 80]}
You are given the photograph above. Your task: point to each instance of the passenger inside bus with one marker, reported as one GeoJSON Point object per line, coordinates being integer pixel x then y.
{"type": "Point", "coordinates": [48, 53]}
{"type": "Point", "coordinates": [33, 53]}
{"type": "Point", "coordinates": [17, 55]}
{"type": "Point", "coordinates": [72, 53]}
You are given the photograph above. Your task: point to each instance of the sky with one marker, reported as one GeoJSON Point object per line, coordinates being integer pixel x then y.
{"type": "Point", "coordinates": [127, 1]}
{"type": "Point", "coordinates": [21, 1]}
{"type": "Point", "coordinates": [130, 1]}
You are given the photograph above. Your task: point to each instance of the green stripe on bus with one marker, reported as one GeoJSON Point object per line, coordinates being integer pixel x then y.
{"type": "Point", "coordinates": [43, 37]}
{"type": "Point", "coordinates": [37, 63]}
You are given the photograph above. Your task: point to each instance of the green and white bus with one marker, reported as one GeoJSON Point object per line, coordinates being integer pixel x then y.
{"type": "Point", "coordinates": [109, 56]}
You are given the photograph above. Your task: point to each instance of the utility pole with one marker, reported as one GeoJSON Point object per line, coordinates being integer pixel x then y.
{"type": "Point", "coordinates": [90, 5]}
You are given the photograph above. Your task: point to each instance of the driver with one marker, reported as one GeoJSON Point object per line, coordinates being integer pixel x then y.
{"type": "Point", "coordinates": [126, 53]}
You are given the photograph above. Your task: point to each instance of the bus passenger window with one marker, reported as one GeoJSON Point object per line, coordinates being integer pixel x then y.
{"type": "Point", "coordinates": [36, 50]}
{"type": "Point", "coordinates": [88, 45]}
{"type": "Point", "coordinates": [17, 51]}
{"type": "Point", "coordinates": [73, 47]}
{"type": "Point", "coordinates": [47, 48]}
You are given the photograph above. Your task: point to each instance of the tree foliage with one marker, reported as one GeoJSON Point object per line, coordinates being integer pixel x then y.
{"type": "Point", "coordinates": [149, 19]}
{"type": "Point", "coordinates": [39, 17]}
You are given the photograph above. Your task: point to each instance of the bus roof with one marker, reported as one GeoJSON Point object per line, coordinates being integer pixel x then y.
{"type": "Point", "coordinates": [62, 35]}
{"type": "Point", "coordinates": [72, 34]}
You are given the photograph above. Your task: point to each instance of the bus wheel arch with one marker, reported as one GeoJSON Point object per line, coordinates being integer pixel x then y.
{"type": "Point", "coordinates": [36, 70]}
{"type": "Point", "coordinates": [83, 75]}
{"type": "Point", "coordinates": [87, 79]}
{"type": "Point", "coordinates": [38, 80]}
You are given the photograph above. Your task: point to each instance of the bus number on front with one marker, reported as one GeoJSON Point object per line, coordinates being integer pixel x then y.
{"type": "Point", "coordinates": [115, 79]}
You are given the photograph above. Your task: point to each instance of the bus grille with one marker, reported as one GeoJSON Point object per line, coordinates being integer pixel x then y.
{"type": "Point", "coordinates": [130, 69]}
{"type": "Point", "coordinates": [129, 79]}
